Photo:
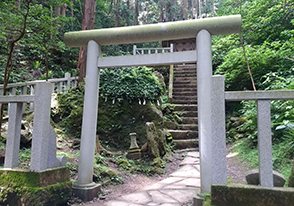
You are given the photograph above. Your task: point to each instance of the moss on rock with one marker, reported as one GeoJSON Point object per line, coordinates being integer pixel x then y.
{"type": "Point", "coordinates": [51, 187]}
{"type": "Point", "coordinates": [291, 178]}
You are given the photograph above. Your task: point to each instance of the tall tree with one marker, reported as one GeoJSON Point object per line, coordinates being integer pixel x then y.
{"type": "Point", "coordinates": [185, 9]}
{"type": "Point", "coordinates": [136, 21]}
{"type": "Point", "coordinates": [117, 13]}
{"type": "Point", "coordinates": [87, 24]}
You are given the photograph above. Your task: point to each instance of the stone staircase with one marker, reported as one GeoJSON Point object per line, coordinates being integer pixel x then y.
{"type": "Point", "coordinates": [185, 102]}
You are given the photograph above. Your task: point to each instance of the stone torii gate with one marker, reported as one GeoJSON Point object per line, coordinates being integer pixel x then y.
{"type": "Point", "coordinates": [201, 29]}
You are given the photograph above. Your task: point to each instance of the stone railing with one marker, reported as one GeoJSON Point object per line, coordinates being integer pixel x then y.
{"type": "Point", "coordinates": [141, 51]}
{"type": "Point", "coordinates": [262, 98]}
{"type": "Point", "coordinates": [43, 152]}
{"type": "Point", "coordinates": [59, 85]}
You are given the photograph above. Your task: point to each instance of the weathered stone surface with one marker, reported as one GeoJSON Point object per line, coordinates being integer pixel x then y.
{"type": "Point", "coordinates": [133, 137]}
{"type": "Point", "coordinates": [245, 195]}
{"type": "Point", "coordinates": [291, 178]}
{"type": "Point", "coordinates": [134, 154]}
{"type": "Point", "coordinates": [52, 160]}
{"type": "Point", "coordinates": [252, 178]}
{"type": "Point", "coordinates": [156, 141]}
{"type": "Point", "coordinates": [25, 187]}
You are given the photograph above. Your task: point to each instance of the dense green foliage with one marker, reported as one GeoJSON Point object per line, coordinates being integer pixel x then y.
{"type": "Point", "coordinates": [130, 84]}
{"type": "Point", "coordinates": [268, 37]}
{"type": "Point", "coordinates": [124, 106]}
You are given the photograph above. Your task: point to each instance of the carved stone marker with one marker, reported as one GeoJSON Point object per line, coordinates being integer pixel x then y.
{"type": "Point", "coordinates": [134, 152]}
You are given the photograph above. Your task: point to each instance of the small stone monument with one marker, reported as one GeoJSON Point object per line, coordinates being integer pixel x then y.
{"type": "Point", "coordinates": [134, 152]}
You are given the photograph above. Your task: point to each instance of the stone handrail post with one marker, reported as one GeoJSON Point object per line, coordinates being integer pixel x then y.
{"type": "Point", "coordinates": [43, 152]}
{"type": "Point", "coordinates": [40, 139]}
{"type": "Point", "coordinates": [263, 99]}
{"type": "Point", "coordinates": [13, 135]}
{"type": "Point", "coordinates": [219, 161]}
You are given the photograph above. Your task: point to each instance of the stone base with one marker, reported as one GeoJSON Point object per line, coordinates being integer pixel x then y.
{"type": "Point", "coordinates": [25, 187]}
{"type": "Point", "coordinates": [86, 192]}
{"type": "Point", "coordinates": [245, 195]}
{"type": "Point", "coordinates": [198, 200]}
{"type": "Point", "coordinates": [134, 154]}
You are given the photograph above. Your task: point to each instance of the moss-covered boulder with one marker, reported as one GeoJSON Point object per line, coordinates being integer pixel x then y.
{"type": "Point", "coordinates": [23, 187]}
{"type": "Point", "coordinates": [156, 141]}
{"type": "Point", "coordinates": [116, 121]}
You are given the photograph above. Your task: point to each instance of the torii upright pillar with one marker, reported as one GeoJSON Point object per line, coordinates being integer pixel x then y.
{"type": "Point", "coordinates": [204, 75]}
{"type": "Point", "coordinates": [85, 188]}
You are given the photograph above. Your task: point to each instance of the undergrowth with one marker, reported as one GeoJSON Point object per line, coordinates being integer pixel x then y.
{"type": "Point", "coordinates": [281, 151]}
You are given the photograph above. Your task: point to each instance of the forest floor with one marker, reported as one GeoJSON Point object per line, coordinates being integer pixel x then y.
{"type": "Point", "coordinates": [235, 171]}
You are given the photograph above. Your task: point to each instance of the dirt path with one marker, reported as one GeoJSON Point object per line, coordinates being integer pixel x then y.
{"type": "Point", "coordinates": [235, 171]}
{"type": "Point", "coordinates": [235, 168]}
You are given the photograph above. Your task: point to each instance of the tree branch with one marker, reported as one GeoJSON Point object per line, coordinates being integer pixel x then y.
{"type": "Point", "coordinates": [289, 58]}
{"type": "Point", "coordinates": [248, 67]}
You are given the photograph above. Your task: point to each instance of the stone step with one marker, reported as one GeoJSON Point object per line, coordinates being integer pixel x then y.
{"type": "Point", "coordinates": [185, 82]}
{"type": "Point", "coordinates": [188, 127]}
{"type": "Point", "coordinates": [189, 113]}
{"type": "Point", "coordinates": [187, 150]}
{"type": "Point", "coordinates": [185, 69]}
{"type": "Point", "coordinates": [185, 79]}
{"type": "Point", "coordinates": [181, 86]}
{"type": "Point", "coordinates": [185, 74]}
{"type": "Point", "coordinates": [170, 125]}
{"type": "Point", "coordinates": [186, 65]}
{"type": "Point", "coordinates": [185, 93]}
{"type": "Point", "coordinates": [190, 120]}
{"type": "Point", "coordinates": [184, 97]}
{"type": "Point", "coordinates": [184, 101]}
{"type": "Point", "coordinates": [185, 90]}
{"type": "Point", "coordinates": [186, 143]}
{"type": "Point", "coordinates": [183, 134]}
{"type": "Point", "coordinates": [185, 107]}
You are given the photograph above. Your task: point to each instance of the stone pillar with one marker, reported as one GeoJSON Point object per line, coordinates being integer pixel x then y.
{"type": "Point", "coordinates": [13, 135]}
{"type": "Point", "coordinates": [204, 74]}
{"type": "Point", "coordinates": [264, 143]}
{"type": "Point", "coordinates": [219, 161]}
{"type": "Point", "coordinates": [40, 138]}
{"type": "Point", "coordinates": [85, 188]}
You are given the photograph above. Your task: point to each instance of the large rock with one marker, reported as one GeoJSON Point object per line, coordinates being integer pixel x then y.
{"type": "Point", "coordinates": [156, 141]}
{"type": "Point", "coordinates": [116, 121]}
{"type": "Point", "coordinates": [252, 178]}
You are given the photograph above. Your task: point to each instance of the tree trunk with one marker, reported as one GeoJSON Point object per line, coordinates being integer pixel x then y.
{"type": "Point", "coordinates": [72, 14]}
{"type": "Point", "coordinates": [168, 11]}
{"type": "Point", "coordinates": [117, 14]}
{"type": "Point", "coordinates": [196, 9]}
{"type": "Point", "coordinates": [9, 62]}
{"type": "Point", "coordinates": [87, 24]}
{"type": "Point", "coordinates": [199, 6]}
{"type": "Point", "coordinates": [212, 2]}
{"type": "Point", "coordinates": [160, 11]}
{"type": "Point", "coordinates": [136, 21]}
{"type": "Point", "coordinates": [185, 9]}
